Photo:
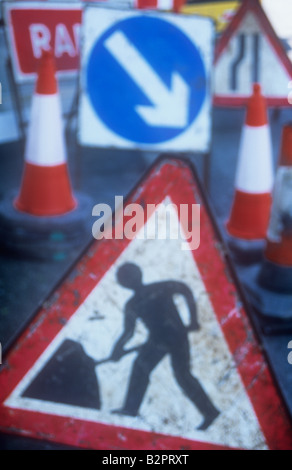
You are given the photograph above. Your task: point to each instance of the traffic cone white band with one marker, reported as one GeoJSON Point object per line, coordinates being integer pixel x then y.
{"type": "Point", "coordinates": [255, 171]}
{"type": "Point", "coordinates": [165, 4]}
{"type": "Point", "coordinates": [45, 141]}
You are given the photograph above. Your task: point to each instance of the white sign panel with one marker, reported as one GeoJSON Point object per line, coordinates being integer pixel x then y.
{"type": "Point", "coordinates": [280, 14]}
{"type": "Point", "coordinates": [249, 51]}
{"type": "Point", "coordinates": [145, 80]}
{"type": "Point", "coordinates": [165, 404]}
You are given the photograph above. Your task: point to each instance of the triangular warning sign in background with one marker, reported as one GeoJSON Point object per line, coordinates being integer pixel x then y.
{"type": "Point", "coordinates": [57, 382]}
{"type": "Point", "coordinates": [249, 51]}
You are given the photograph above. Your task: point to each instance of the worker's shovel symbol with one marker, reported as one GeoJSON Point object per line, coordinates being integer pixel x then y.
{"type": "Point", "coordinates": [111, 358]}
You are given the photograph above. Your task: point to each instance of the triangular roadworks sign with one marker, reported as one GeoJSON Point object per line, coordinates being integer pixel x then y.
{"type": "Point", "coordinates": [249, 51]}
{"type": "Point", "coordinates": [146, 344]}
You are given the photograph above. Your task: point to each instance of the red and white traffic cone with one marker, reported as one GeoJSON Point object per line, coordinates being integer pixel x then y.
{"type": "Point", "coordinates": [45, 188]}
{"type": "Point", "coordinates": [250, 211]}
{"type": "Point", "coordinates": [276, 271]}
{"type": "Point", "coordinates": [268, 284]}
{"type": "Point", "coordinates": [45, 220]}
{"type": "Point", "coordinates": [166, 5]}
{"type": "Point", "coordinates": [177, 5]}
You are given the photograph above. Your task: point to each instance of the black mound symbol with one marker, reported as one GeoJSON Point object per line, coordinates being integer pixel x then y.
{"type": "Point", "coordinates": [68, 377]}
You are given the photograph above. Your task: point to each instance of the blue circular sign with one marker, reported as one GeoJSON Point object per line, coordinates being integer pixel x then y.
{"type": "Point", "coordinates": [126, 64]}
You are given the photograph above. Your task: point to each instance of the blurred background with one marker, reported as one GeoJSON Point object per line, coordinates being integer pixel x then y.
{"type": "Point", "coordinates": [101, 173]}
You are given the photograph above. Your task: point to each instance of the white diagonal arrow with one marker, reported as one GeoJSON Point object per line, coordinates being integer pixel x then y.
{"type": "Point", "coordinates": [170, 106]}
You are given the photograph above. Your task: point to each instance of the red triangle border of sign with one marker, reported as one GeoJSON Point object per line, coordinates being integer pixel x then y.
{"type": "Point", "coordinates": [168, 177]}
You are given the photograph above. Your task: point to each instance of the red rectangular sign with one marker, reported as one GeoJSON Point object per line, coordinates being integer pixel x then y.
{"type": "Point", "coordinates": [34, 27]}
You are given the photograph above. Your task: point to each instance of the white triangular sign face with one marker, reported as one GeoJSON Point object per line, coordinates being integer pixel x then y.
{"type": "Point", "coordinates": [251, 54]}
{"type": "Point", "coordinates": [165, 408]}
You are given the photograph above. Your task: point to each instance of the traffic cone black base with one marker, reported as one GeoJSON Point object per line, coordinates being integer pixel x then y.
{"type": "Point", "coordinates": [272, 306]}
{"type": "Point", "coordinates": [275, 277]}
{"type": "Point", "coordinates": [46, 238]}
{"type": "Point", "coordinates": [245, 252]}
